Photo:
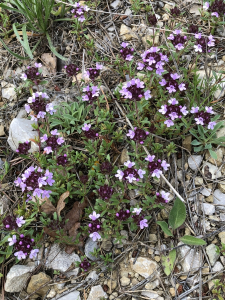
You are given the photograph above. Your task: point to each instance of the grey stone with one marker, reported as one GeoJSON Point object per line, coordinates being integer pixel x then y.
{"type": "Point", "coordinates": [188, 258]}
{"type": "Point", "coordinates": [92, 276]}
{"type": "Point", "coordinates": [20, 130]}
{"type": "Point", "coordinates": [97, 293]}
{"type": "Point", "coordinates": [71, 296]}
{"type": "Point", "coordinates": [4, 204]}
{"type": "Point", "coordinates": [222, 217]}
{"type": "Point", "coordinates": [58, 259]}
{"type": "Point", "coordinates": [125, 281]}
{"type": "Point", "coordinates": [219, 198]}
{"type": "Point", "coordinates": [210, 171]}
{"type": "Point", "coordinates": [22, 114]}
{"type": "Point", "coordinates": [106, 245]}
{"type": "Point", "coordinates": [90, 246]}
{"type": "Point", "coordinates": [206, 192]}
{"type": "Point", "coordinates": [150, 294]}
{"type": "Point", "coordinates": [194, 161]}
{"type": "Point", "coordinates": [128, 11]}
{"type": "Point", "coordinates": [17, 278]}
{"type": "Point", "coordinates": [209, 209]}
{"type": "Point", "coordinates": [115, 4]}
{"type": "Point", "coordinates": [217, 267]}
{"type": "Point", "coordinates": [8, 91]}
{"type": "Point", "coordinates": [212, 254]}
{"type": "Point", "coordinates": [143, 266]}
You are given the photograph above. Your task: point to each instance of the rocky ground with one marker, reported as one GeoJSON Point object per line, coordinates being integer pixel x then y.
{"type": "Point", "coordinates": [136, 270]}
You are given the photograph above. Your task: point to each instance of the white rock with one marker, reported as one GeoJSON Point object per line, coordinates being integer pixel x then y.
{"type": "Point", "coordinates": [90, 246]}
{"type": "Point", "coordinates": [22, 114]}
{"type": "Point", "coordinates": [124, 281]}
{"type": "Point", "coordinates": [115, 4]}
{"type": "Point", "coordinates": [92, 276]}
{"type": "Point", "coordinates": [212, 254]}
{"type": "Point", "coordinates": [4, 204]}
{"type": "Point", "coordinates": [97, 293]}
{"type": "Point", "coordinates": [194, 161]}
{"type": "Point", "coordinates": [128, 11]}
{"type": "Point", "coordinates": [17, 278]}
{"type": "Point", "coordinates": [58, 259]}
{"type": "Point", "coordinates": [71, 296]}
{"type": "Point", "coordinates": [126, 33]}
{"type": "Point", "coordinates": [222, 217]}
{"type": "Point", "coordinates": [210, 171]}
{"type": "Point", "coordinates": [150, 294]}
{"type": "Point", "coordinates": [195, 10]}
{"type": "Point", "coordinates": [143, 266]}
{"type": "Point", "coordinates": [209, 209]}
{"type": "Point", "coordinates": [217, 267]}
{"type": "Point", "coordinates": [152, 285]}
{"type": "Point", "coordinates": [51, 294]}
{"type": "Point", "coordinates": [206, 192]}
{"type": "Point", "coordinates": [8, 91]}
{"type": "Point", "coordinates": [20, 130]}
{"type": "Point", "coordinates": [219, 198]}
{"type": "Point", "coordinates": [188, 257]}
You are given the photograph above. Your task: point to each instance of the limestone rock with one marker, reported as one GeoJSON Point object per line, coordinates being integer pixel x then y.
{"type": "Point", "coordinates": [143, 266]}
{"type": "Point", "coordinates": [4, 204]}
{"type": "Point", "coordinates": [20, 130]}
{"type": "Point", "coordinates": [124, 281]}
{"type": "Point", "coordinates": [75, 295]}
{"type": "Point", "coordinates": [217, 267]}
{"type": "Point", "coordinates": [2, 132]}
{"type": "Point", "coordinates": [17, 278]}
{"type": "Point", "coordinates": [97, 293]}
{"type": "Point", "coordinates": [209, 209]}
{"type": "Point", "coordinates": [58, 259]}
{"type": "Point", "coordinates": [219, 198]}
{"type": "Point", "coordinates": [195, 9]}
{"type": "Point", "coordinates": [150, 294]}
{"type": "Point", "coordinates": [194, 161]}
{"type": "Point", "coordinates": [221, 186]}
{"type": "Point", "coordinates": [188, 257]}
{"type": "Point", "coordinates": [115, 4]}
{"type": "Point", "coordinates": [8, 91]}
{"type": "Point", "coordinates": [210, 171]}
{"type": "Point", "coordinates": [211, 252]}
{"type": "Point", "coordinates": [89, 247]}
{"type": "Point", "coordinates": [126, 33]}
{"type": "Point", "coordinates": [92, 276]}
{"type": "Point", "coordinates": [36, 282]}
{"type": "Point", "coordinates": [222, 236]}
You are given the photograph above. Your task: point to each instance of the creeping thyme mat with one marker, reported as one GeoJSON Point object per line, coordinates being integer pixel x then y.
{"type": "Point", "coordinates": [112, 150]}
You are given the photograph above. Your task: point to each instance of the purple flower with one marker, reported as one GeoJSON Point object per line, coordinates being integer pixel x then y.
{"type": "Point", "coordinates": [20, 221]}
{"type": "Point", "coordinates": [171, 84]}
{"type": "Point", "coordinates": [38, 105]}
{"type": "Point", "coordinates": [60, 140]}
{"type": "Point", "coordinates": [141, 173]}
{"type": "Point", "coordinates": [91, 94]}
{"type": "Point", "coordinates": [150, 158]}
{"type": "Point", "coordinates": [95, 226]}
{"type": "Point", "coordinates": [153, 59]}
{"type": "Point", "coordinates": [143, 223]}
{"type": "Point", "coordinates": [85, 265]}
{"type": "Point", "coordinates": [152, 20]}
{"type": "Point", "coordinates": [137, 211]}
{"type": "Point", "coordinates": [86, 127]}
{"type": "Point", "coordinates": [20, 255]}
{"type": "Point", "coordinates": [175, 11]}
{"type": "Point", "coordinates": [206, 6]}
{"type": "Point", "coordinates": [202, 43]}
{"type": "Point", "coordinates": [209, 110]}
{"type": "Point", "coordinates": [119, 174]}
{"type": "Point", "coordinates": [94, 216]}
{"type": "Point", "coordinates": [32, 74]}
{"type": "Point", "coordinates": [215, 14]}
{"type": "Point", "coordinates": [201, 117]}
{"type": "Point", "coordinates": [50, 108]}
{"type": "Point", "coordinates": [165, 165]}
{"type": "Point", "coordinates": [105, 192]}
{"type": "Point", "coordinates": [194, 110]}
{"type": "Point", "coordinates": [12, 240]}
{"type": "Point", "coordinates": [134, 90]}
{"type": "Point", "coordinates": [72, 70]}
{"type": "Point", "coordinates": [62, 160]}
{"type": "Point", "coordinates": [162, 198]}
{"type": "Point", "coordinates": [95, 236]}
{"type": "Point", "coordinates": [44, 138]}
{"type": "Point", "coordinates": [48, 150]}
{"type": "Point", "coordinates": [106, 167]}
{"type": "Point", "coordinates": [123, 215]}
{"type": "Point", "coordinates": [126, 52]}
{"type": "Point", "coordinates": [93, 73]}
{"type": "Point", "coordinates": [138, 135]}
{"type": "Point", "coordinates": [211, 125]}
{"type": "Point", "coordinates": [33, 253]}
{"type": "Point", "coordinates": [169, 123]}
{"type": "Point", "coordinates": [9, 223]}
{"type": "Point", "coordinates": [55, 132]}
{"type": "Point", "coordinates": [177, 39]}
{"type": "Point", "coordinates": [155, 167]}
{"type": "Point", "coordinates": [24, 147]}
{"type": "Point", "coordinates": [129, 164]}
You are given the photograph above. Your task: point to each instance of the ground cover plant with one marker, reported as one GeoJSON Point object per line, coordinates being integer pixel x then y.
{"type": "Point", "coordinates": [112, 149]}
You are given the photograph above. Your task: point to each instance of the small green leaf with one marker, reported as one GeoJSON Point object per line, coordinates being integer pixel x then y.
{"type": "Point", "coordinates": [168, 262]}
{"type": "Point", "coordinates": [213, 154]}
{"type": "Point", "coordinates": [164, 227]}
{"type": "Point", "coordinates": [195, 143]}
{"type": "Point", "coordinates": [191, 240]}
{"type": "Point", "coordinates": [177, 214]}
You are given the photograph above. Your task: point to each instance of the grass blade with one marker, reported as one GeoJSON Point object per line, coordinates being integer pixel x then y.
{"type": "Point", "coordinates": [53, 48]}
{"type": "Point", "coordinates": [11, 52]}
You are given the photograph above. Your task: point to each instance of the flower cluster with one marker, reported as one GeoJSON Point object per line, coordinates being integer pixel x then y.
{"type": "Point", "coordinates": [94, 226]}
{"type": "Point", "coordinates": [152, 20]}
{"type": "Point", "coordinates": [12, 222]}
{"type": "Point", "coordinates": [153, 60]}
{"type": "Point", "coordinates": [126, 53]}
{"type": "Point", "coordinates": [93, 73]}
{"type": "Point", "coordinates": [156, 167]}
{"type": "Point", "coordinates": [139, 218]}
{"type": "Point", "coordinates": [34, 179]}
{"type": "Point", "coordinates": [173, 111]}
{"type": "Point", "coordinates": [202, 43]}
{"type": "Point", "coordinates": [24, 246]}
{"type": "Point", "coordinates": [175, 11]}
{"type": "Point", "coordinates": [62, 160]}
{"type": "Point", "coordinates": [177, 39]}
{"type": "Point", "coordinates": [203, 117]}
{"type": "Point", "coordinates": [138, 135]}
{"type": "Point", "coordinates": [89, 133]}
{"type": "Point", "coordinates": [130, 174]}
{"type": "Point", "coordinates": [170, 81]}
{"type": "Point", "coordinates": [134, 90]}
{"type": "Point", "coordinates": [217, 8]}
{"type": "Point", "coordinates": [38, 107]}
{"type": "Point", "coordinates": [123, 214]}
{"type": "Point", "coordinates": [85, 265]}
{"type": "Point", "coordinates": [105, 192]}
{"type": "Point", "coordinates": [24, 148]}
{"type": "Point", "coordinates": [79, 11]}
{"type": "Point", "coordinates": [106, 167]}
{"type": "Point", "coordinates": [33, 73]}
{"type": "Point", "coordinates": [162, 197]}
{"type": "Point", "coordinates": [72, 70]}
{"type": "Point", "coordinates": [92, 92]}
{"type": "Point", "coordinates": [193, 28]}
{"type": "Point", "coordinates": [53, 141]}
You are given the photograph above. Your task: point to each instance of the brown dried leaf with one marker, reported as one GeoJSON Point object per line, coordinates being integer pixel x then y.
{"type": "Point", "coordinates": [73, 230]}
{"type": "Point", "coordinates": [50, 63]}
{"type": "Point", "coordinates": [47, 207]}
{"type": "Point", "coordinates": [74, 215]}
{"type": "Point", "coordinates": [50, 232]}
{"type": "Point", "coordinates": [61, 204]}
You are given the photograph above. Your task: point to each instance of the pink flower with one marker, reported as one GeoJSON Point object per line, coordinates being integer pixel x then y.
{"type": "Point", "coordinates": [33, 253]}
{"type": "Point", "coordinates": [20, 255]}
{"type": "Point", "coordinates": [198, 48]}
{"type": "Point", "coordinates": [194, 110]}
{"type": "Point", "coordinates": [165, 165]}
{"type": "Point", "coordinates": [165, 196]}
{"type": "Point", "coordinates": [173, 101]}
{"type": "Point", "coordinates": [131, 178]}
{"type": "Point", "coordinates": [86, 127]}
{"type": "Point", "coordinates": [119, 174]}
{"type": "Point", "coordinates": [209, 109]}
{"type": "Point", "coordinates": [169, 123]}
{"type": "Point", "coordinates": [129, 164]}
{"type": "Point", "coordinates": [215, 14]}
{"type": "Point", "coordinates": [182, 87]}
{"type": "Point", "coordinates": [44, 138]}
{"type": "Point", "coordinates": [156, 173]}
{"type": "Point", "coordinates": [137, 211]}
{"type": "Point", "coordinates": [199, 121]}
{"type": "Point", "coordinates": [163, 109]}
{"type": "Point", "coordinates": [131, 134]}
{"type": "Point", "coordinates": [20, 221]}
{"type": "Point", "coordinates": [150, 158]}
{"type": "Point", "coordinates": [206, 6]}
{"type": "Point", "coordinates": [95, 236]}
{"type": "Point", "coordinates": [141, 173]}
{"type": "Point", "coordinates": [24, 76]}
{"type": "Point", "coordinates": [143, 224]}
{"type": "Point", "coordinates": [12, 240]}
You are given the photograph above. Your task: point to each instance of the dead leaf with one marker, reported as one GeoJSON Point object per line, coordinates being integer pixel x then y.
{"type": "Point", "coordinates": [47, 207]}
{"type": "Point", "coordinates": [50, 232]}
{"type": "Point", "coordinates": [49, 62]}
{"type": "Point", "coordinates": [75, 214]}
{"type": "Point", "coordinates": [61, 204]}
{"type": "Point", "coordinates": [73, 230]}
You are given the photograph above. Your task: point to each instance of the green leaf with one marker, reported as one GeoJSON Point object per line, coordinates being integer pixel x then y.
{"type": "Point", "coordinates": [168, 262]}
{"type": "Point", "coordinates": [164, 227]}
{"type": "Point", "coordinates": [53, 48]}
{"type": "Point", "coordinates": [177, 214]}
{"type": "Point", "coordinates": [213, 154]}
{"type": "Point", "coordinates": [13, 53]}
{"type": "Point", "coordinates": [197, 149]}
{"type": "Point", "coordinates": [195, 143]}
{"type": "Point", "coordinates": [191, 240]}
